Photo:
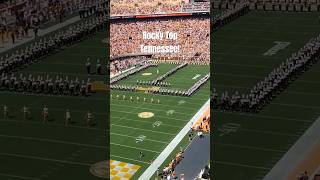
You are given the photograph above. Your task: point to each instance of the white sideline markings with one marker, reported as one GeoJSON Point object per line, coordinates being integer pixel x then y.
{"type": "Point", "coordinates": [147, 174]}
{"type": "Point", "coordinates": [291, 159]}
{"type": "Point", "coordinates": [317, 171]}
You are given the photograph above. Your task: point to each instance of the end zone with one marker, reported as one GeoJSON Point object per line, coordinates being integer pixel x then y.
{"type": "Point", "coordinates": [122, 170]}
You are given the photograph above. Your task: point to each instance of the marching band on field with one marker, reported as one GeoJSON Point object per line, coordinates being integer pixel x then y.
{"type": "Point", "coordinates": [45, 85]}
{"type": "Point", "coordinates": [275, 82]}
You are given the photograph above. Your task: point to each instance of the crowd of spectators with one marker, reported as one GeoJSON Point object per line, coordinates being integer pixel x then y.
{"type": "Point", "coordinates": [305, 176]}
{"type": "Point", "coordinates": [139, 7]}
{"type": "Point", "coordinates": [196, 7]}
{"type": "Point", "coordinates": [18, 17]}
{"type": "Point", "coordinates": [204, 174]}
{"type": "Point", "coordinates": [275, 82]}
{"type": "Point", "coordinates": [193, 36]}
{"type": "Point", "coordinates": [129, 7]}
{"type": "Point", "coordinates": [169, 169]}
{"type": "Point", "coordinates": [230, 15]}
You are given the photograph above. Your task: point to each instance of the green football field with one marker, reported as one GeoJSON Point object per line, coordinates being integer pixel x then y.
{"type": "Point", "coordinates": [33, 150]}
{"type": "Point", "coordinates": [131, 134]}
{"type": "Point", "coordinates": [247, 146]}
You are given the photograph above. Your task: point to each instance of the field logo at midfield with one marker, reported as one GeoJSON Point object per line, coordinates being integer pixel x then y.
{"type": "Point", "coordinates": [146, 74]}
{"type": "Point", "coordinates": [279, 46]}
{"type": "Point", "coordinates": [100, 169]}
{"type": "Point", "coordinates": [228, 128]}
{"type": "Point", "coordinates": [145, 115]}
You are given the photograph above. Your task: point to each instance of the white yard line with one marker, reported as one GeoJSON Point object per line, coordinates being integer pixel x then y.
{"type": "Point", "coordinates": [269, 132]}
{"type": "Point", "coordinates": [296, 105]}
{"type": "Point", "coordinates": [295, 155]}
{"type": "Point", "coordinates": [250, 147]}
{"type": "Point", "coordinates": [145, 122]}
{"type": "Point", "coordinates": [52, 141]}
{"type": "Point", "coordinates": [18, 177]}
{"type": "Point", "coordinates": [268, 117]}
{"type": "Point", "coordinates": [159, 132]}
{"type": "Point", "coordinates": [173, 144]}
{"type": "Point", "coordinates": [51, 124]}
{"type": "Point", "coordinates": [151, 109]}
{"type": "Point", "coordinates": [240, 165]}
{"type": "Point", "coordinates": [133, 137]}
{"type": "Point", "coordinates": [63, 73]}
{"type": "Point", "coordinates": [129, 159]}
{"type": "Point", "coordinates": [165, 117]}
{"type": "Point", "coordinates": [131, 147]}
{"type": "Point", "coordinates": [175, 99]}
{"type": "Point", "coordinates": [44, 159]}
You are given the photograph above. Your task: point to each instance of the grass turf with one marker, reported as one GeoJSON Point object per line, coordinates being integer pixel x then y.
{"type": "Point", "coordinates": [126, 126]}
{"type": "Point", "coordinates": [33, 150]}
{"type": "Point", "coordinates": [263, 138]}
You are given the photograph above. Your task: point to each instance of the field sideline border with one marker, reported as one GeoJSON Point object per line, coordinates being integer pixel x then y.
{"type": "Point", "coordinates": [289, 164]}
{"type": "Point", "coordinates": [148, 173]}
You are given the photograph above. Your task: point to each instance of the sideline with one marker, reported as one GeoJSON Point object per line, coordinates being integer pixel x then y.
{"type": "Point", "coordinates": [291, 163]}
{"type": "Point", "coordinates": [148, 173]}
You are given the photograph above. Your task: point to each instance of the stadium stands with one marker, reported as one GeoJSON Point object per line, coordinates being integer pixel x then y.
{"type": "Point", "coordinates": [203, 123]}
{"type": "Point", "coordinates": [205, 173]}
{"type": "Point", "coordinates": [129, 7]}
{"type": "Point", "coordinates": [18, 17]}
{"type": "Point", "coordinates": [273, 5]}
{"type": "Point", "coordinates": [229, 15]}
{"type": "Point", "coordinates": [129, 33]}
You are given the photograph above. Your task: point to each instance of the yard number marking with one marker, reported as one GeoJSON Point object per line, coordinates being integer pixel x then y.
{"type": "Point", "coordinates": [156, 124]}
{"type": "Point", "coordinates": [140, 138]}
{"type": "Point", "coordinates": [228, 128]}
{"type": "Point", "coordinates": [196, 76]}
{"type": "Point", "coordinates": [170, 112]}
{"type": "Point", "coordinates": [279, 45]}
{"type": "Point", "coordinates": [181, 102]}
